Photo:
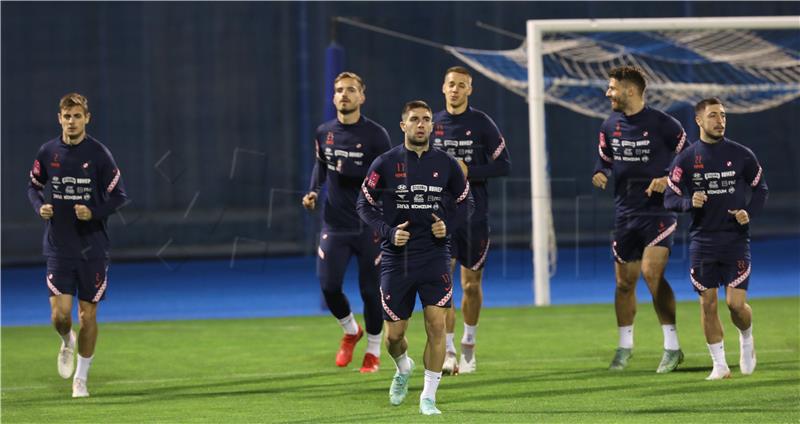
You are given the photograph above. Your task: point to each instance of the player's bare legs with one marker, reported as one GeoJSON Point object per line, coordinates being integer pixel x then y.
{"type": "Point", "coordinates": [397, 346]}
{"type": "Point", "coordinates": [61, 316]}
{"type": "Point", "coordinates": [87, 339]}
{"type": "Point", "coordinates": [627, 275]}
{"type": "Point", "coordinates": [742, 317]}
{"type": "Point", "coordinates": [654, 261]}
{"type": "Point", "coordinates": [434, 356]}
{"type": "Point", "coordinates": [712, 328]}
{"type": "Point", "coordinates": [471, 310]}
{"type": "Point", "coordinates": [450, 360]}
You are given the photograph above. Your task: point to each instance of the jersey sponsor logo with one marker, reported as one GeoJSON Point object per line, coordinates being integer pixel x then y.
{"type": "Point", "coordinates": [85, 165]}
{"type": "Point", "coordinates": [329, 138]}
{"type": "Point", "coordinates": [372, 180]}
{"type": "Point", "coordinates": [644, 134]}
{"type": "Point", "coordinates": [677, 173]}
{"type": "Point", "coordinates": [68, 180]}
{"type": "Point", "coordinates": [400, 170]}
{"type": "Point", "coordinates": [729, 164]}
{"type": "Point", "coordinates": [37, 168]}
{"type": "Point", "coordinates": [435, 174]}
{"type": "Point", "coordinates": [419, 187]}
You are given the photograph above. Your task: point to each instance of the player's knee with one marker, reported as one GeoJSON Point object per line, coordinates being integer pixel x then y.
{"type": "Point", "coordinates": [625, 285]}
{"type": "Point", "coordinates": [393, 338]}
{"type": "Point", "coordinates": [736, 305]}
{"type": "Point", "coordinates": [471, 287]}
{"type": "Point", "coordinates": [652, 275]}
{"type": "Point", "coordinates": [87, 316]}
{"type": "Point", "coordinates": [60, 318]}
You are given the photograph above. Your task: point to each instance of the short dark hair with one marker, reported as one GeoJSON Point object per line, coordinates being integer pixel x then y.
{"type": "Point", "coordinates": [629, 74]}
{"type": "Point", "coordinates": [352, 75]}
{"type": "Point", "coordinates": [458, 70]}
{"type": "Point", "coordinates": [701, 105]}
{"type": "Point", "coordinates": [73, 99]}
{"type": "Point", "coordinates": [414, 104]}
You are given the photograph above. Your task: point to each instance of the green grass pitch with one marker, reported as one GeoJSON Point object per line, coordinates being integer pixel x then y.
{"type": "Point", "coordinates": [534, 365]}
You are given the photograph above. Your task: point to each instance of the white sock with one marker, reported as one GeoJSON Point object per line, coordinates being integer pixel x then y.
{"type": "Point", "coordinates": [431, 384]}
{"type": "Point", "coordinates": [670, 337]}
{"type": "Point", "coordinates": [82, 371]}
{"type": "Point", "coordinates": [717, 351]}
{"type": "Point", "coordinates": [66, 338]}
{"type": "Point", "coordinates": [403, 364]}
{"type": "Point", "coordinates": [450, 345]}
{"type": "Point", "coordinates": [626, 337]}
{"type": "Point", "coordinates": [374, 344]}
{"type": "Point", "coordinates": [746, 336]}
{"type": "Point", "coordinates": [469, 334]}
{"type": "Point", "coordinates": [349, 324]}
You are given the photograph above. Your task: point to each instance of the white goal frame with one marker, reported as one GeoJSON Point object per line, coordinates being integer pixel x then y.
{"type": "Point", "coordinates": [541, 209]}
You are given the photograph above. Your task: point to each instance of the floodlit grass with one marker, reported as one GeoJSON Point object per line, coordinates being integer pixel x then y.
{"type": "Point", "coordinates": [534, 365]}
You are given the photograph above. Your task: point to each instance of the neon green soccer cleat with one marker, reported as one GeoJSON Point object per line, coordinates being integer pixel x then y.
{"type": "Point", "coordinates": [399, 388]}
{"type": "Point", "coordinates": [621, 357]}
{"type": "Point", "coordinates": [670, 361]}
{"type": "Point", "coordinates": [428, 407]}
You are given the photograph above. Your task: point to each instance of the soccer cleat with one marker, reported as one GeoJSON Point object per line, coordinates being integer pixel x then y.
{"type": "Point", "coordinates": [719, 373]}
{"type": "Point", "coordinates": [450, 366]}
{"type": "Point", "coordinates": [621, 357]}
{"type": "Point", "coordinates": [371, 364]}
{"type": "Point", "coordinates": [747, 359]}
{"type": "Point", "coordinates": [466, 367]}
{"type": "Point", "coordinates": [670, 361]}
{"type": "Point", "coordinates": [66, 357]}
{"type": "Point", "coordinates": [345, 353]}
{"type": "Point", "coordinates": [399, 388]}
{"type": "Point", "coordinates": [79, 389]}
{"type": "Point", "coordinates": [428, 407]}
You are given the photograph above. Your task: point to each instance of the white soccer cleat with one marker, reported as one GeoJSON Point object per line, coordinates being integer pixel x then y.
{"type": "Point", "coordinates": [79, 389]}
{"type": "Point", "coordinates": [66, 357]}
{"type": "Point", "coordinates": [450, 366]}
{"type": "Point", "coordinates": [466, 367]}
{"type": "Point", "coordinates": [719, 373]}
{"type": "Point", "coordinates": [747, 358]}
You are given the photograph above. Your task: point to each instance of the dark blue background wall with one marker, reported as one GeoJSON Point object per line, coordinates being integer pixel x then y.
{"type": "Point", "coordinates": [209, 109]}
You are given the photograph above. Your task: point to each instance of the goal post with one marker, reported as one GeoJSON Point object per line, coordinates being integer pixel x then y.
{"type": "Point", "coordinates": [541, 200]}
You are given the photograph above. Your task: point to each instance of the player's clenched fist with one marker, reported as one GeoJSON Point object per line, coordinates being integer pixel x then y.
{"type": "Point", "coordinates": [658, 185]}
{"type": "Point", "coordinates": [741, 215]}
{"type": "Point", "coordinates": [438, 228]}
{"type": "Point", "coordinates": [83, 213]}
{"type": "Point", "coordinates": [310, 201]}
{"type": "Point", "coordinates": [600, 180]}
{"type": "Point", "coordinates": [46, 211]}
{"type": "Point", "coordinates": [401, 236]}
{"type": "Point", "coordinates": [699, 199]}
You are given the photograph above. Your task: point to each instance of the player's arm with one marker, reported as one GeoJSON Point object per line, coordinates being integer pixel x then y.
{"type": "Point", "coordinates": [110, 181]}
{"type": "Point", "coordinates": [368, 206]}
{"type": "Point", "coordinates": [499, 161]}
{"type": "Point", "coordinates": [318, 176]}
{"type": "Point", "coordinates": [37, 182]}
{"type": "Point", "coordinates": [677, 195]}
{"type": "Point", "coordinates": [676, 141]}
{"type": "Point", "coordinates": [604, 163]}
{"type": "Point", "coordinates": [753, 175]}
{"type": "Point", "coordinates": [458, 189]}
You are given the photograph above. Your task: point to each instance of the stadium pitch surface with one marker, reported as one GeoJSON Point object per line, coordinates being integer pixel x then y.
{"type": "Point", "coordinates": [534, 365]}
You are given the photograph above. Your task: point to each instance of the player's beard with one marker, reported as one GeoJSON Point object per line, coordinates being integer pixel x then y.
{"type": "Point", "coordinates": [620, 104]}
{"type": "Point", "coordinates": [344, 110]}
{"type": "Point", "coordinates": [418, 143]}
